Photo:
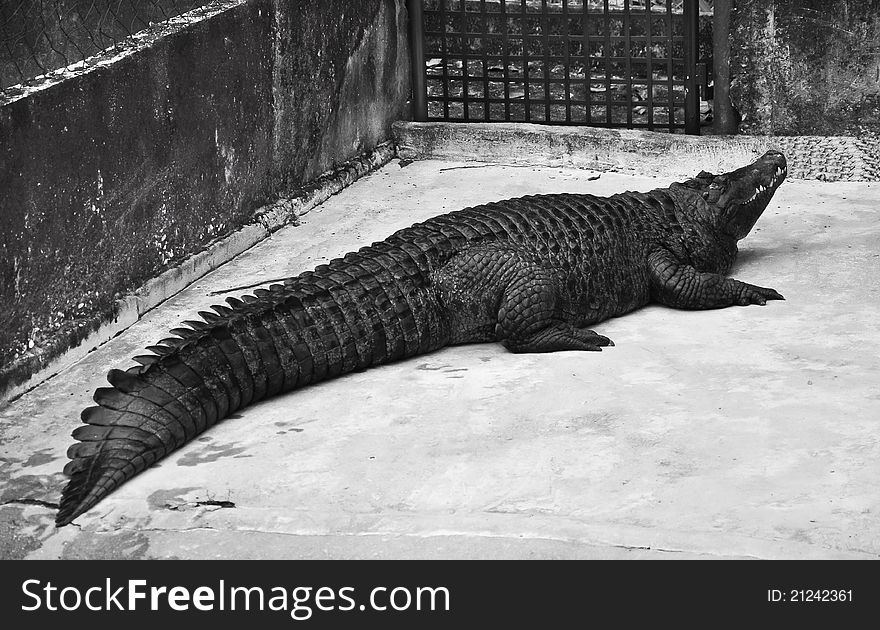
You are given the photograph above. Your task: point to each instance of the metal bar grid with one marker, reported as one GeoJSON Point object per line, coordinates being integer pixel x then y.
{"type": "Point", "coordinates": [669, 69]}
{"type": "Point", "coordinates": [567, 62]}
{"type": "Point", "coordinates": [526, 71]}
{"type": "Point", "coordinates": [585, 54]}
{"type": "Point", "coordinates": [464, 44]}
{"type": "Point", "coordinates": [607, 55]}
{"type": "Point", "coordinates": [417, 44]}
{"type": "Point", "coordinates": [485, 60]}
{"type": "Point", "coordinates": [692, 97]}
{"type": "Point", "coordinates": [649, 55]}
{"type": "Point", "coordinates": [611, 63]}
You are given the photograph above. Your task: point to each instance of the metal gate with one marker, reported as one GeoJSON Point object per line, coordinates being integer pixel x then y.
{"type": "Point", "coordinates": [604, 63]}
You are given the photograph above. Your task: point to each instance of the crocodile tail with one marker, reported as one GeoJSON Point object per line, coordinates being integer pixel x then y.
{"type": "Point", "coordinates": [312, 328]}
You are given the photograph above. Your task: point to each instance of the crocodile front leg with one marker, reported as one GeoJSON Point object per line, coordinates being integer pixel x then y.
{"type": "Point", "coordinates": [681, 286]}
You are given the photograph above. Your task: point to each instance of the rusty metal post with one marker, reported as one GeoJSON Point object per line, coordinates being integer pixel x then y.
{"type": "Point", "coordinates": [724, 121]}
{"type": "Point", "coordinates": [691, 17]}
{"type": "Point", "coordinates": [417, 56]}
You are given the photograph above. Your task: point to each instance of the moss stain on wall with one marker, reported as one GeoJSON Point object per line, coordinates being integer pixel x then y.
{"type": "Point", "coordinates": [806, 67]}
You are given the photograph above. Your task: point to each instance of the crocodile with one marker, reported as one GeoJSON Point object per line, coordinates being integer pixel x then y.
{"type": "Point", "coordinates": [531, 273]}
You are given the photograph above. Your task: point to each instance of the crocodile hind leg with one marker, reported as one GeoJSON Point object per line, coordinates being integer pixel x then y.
{"type": "Point", "coordinates": [495, 292]}
{"type": "Point", "coordinates": [557, 336]}
{"type": "Point", "coordinates": [529, 319]}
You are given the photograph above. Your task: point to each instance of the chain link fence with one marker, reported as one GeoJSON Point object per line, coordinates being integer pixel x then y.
{"type": "Point", "coordinates": [39, 36]}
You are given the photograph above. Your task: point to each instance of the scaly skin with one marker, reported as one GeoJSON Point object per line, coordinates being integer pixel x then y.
{"type": "Point", "coordinates": [531, 273]}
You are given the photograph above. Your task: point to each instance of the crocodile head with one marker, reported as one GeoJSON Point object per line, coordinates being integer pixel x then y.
{"type": "Point", "coordinates": [736, 199]}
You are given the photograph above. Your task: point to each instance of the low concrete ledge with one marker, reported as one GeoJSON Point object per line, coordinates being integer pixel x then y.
{"type": "Point", "coordinates": [47, 362]}
{"type": "Point", "coordinates": [630, 151]}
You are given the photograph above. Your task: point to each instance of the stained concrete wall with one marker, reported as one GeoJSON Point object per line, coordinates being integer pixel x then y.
{"type": "Point", "coordinates": [123, 169]}
{"type": "Point", "coordinates": [808, 67]}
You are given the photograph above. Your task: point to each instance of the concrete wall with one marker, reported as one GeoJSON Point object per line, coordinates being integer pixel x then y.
{"type": "Point", "coordinates": [121, 170]}
{"type": "Point", "coordinates": [806, 66]}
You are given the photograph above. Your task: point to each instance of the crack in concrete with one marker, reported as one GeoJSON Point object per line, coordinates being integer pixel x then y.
{"type": "Point", "coordinates": [424, 535]}
{"type": "Point", "coordinates": [590, 178]}
{"type": "Point", "coordinates": [27, 501]}
{"type": "Point", "coordinates": [181, 507]}
{"type": "Point", "coordinates": [167, 530]}
{"type": "Point", "coordinates": [222, 504]}
{"type": "Point", "coordinates": [645, 548]}
{"type": "Point", "coordinates": [586, 543]}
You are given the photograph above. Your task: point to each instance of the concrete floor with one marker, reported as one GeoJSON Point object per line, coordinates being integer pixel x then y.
{"type": "Point", "coordinates": [745, 432]}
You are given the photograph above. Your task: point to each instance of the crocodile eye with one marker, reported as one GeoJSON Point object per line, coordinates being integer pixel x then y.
{"type": "Point", "coordinates": [706, 194]}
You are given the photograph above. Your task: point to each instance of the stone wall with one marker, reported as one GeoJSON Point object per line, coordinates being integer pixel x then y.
{"type": "Point", "coordinates": [806, 67]}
